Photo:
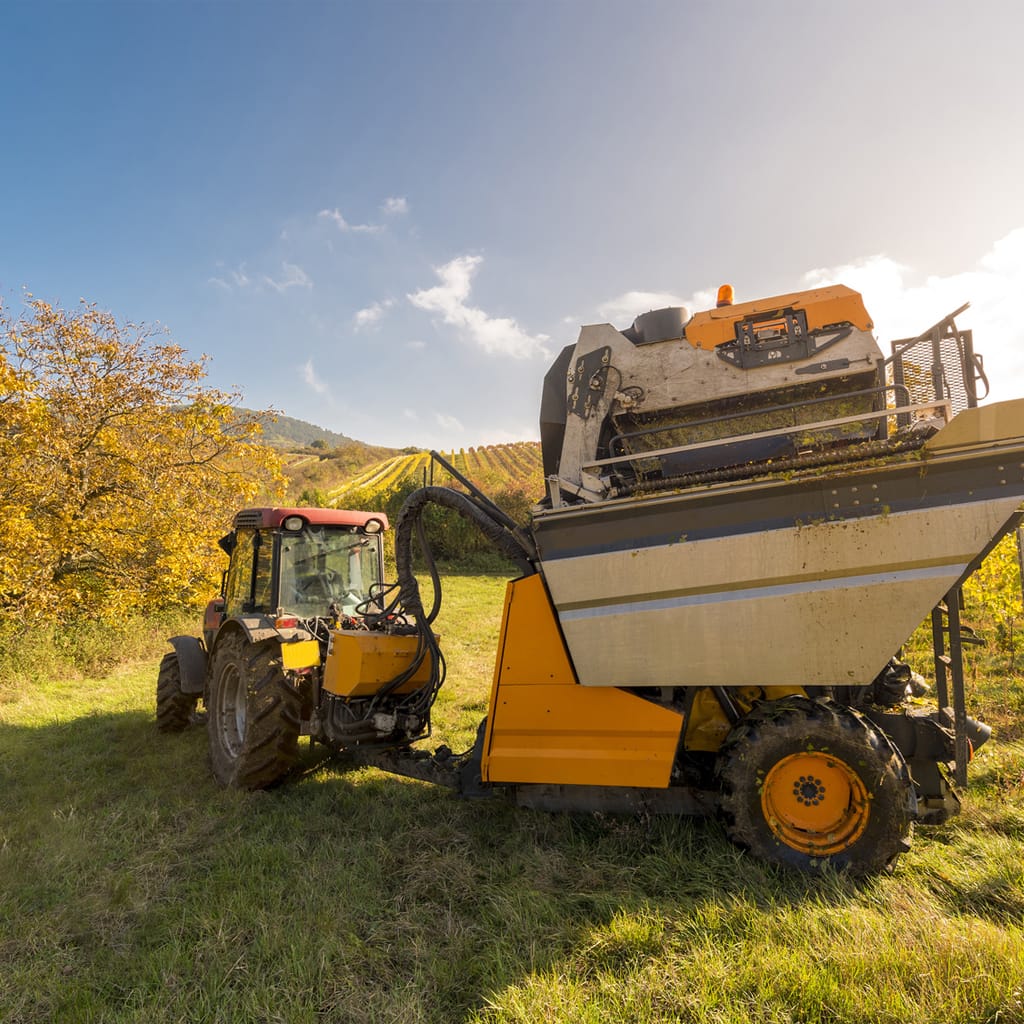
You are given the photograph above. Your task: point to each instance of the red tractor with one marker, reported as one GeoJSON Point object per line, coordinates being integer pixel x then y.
{"type": "Point", "coordinates": [296, 576]}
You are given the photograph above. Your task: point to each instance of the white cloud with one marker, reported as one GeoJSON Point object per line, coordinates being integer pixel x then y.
{"type": "Point", "coordinates": [705, 299]}
{"type": "Point", "coordinates": [395, 205]}
{"type": "Point", "coordinates": [416, 345]}
{"type": "Point", "coordinates": [495, 335]}
{"type": "Point", "coordinates": [293, 276]}
{"type": "Point", "coordinates": [448, 422]}
{"type": "Point", "coordinates": [410, 414]}
{"type": "Point", "coordinates": [343, 225]}
{"type": "Point", "coordinates": [902, 307]}
{"type": "Point", "coordinates": [229, 280]}
{"type": "Point", "coordinates": [371, 315]}
{"type": "Point", "coordinates": [491, 434]}
{"type": "Point", "coordinates": [622, 311]}
{"type": "Point", "coordinates": [312, 380]}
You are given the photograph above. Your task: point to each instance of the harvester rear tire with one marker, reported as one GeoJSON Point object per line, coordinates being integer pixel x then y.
{"type": "Point", "coordinates": [174, 709]}
{"type": "Point", "coordinates": [253, 714]}
{"type": "Point", "coordinates": [809, 783]}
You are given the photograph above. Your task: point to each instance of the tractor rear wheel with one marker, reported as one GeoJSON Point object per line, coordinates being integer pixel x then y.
{"type": "Point", "coordinates": [174, 708]}
{"type": "Point", "coordinates": [252, 714]}
{"type": "Point", "coordinates": [808, 783]}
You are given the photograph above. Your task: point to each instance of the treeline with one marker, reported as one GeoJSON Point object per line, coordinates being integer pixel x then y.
{"type": "Point", "coordinates": [121, 468]}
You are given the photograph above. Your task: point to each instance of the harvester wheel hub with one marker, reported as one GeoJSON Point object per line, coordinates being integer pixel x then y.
{"type": "Point", "coordinates": [815, 803]}
{"type": "Point", "coordinates": [809, 791]}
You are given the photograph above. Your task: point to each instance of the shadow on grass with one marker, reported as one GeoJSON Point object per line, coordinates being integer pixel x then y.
{"type": "Point", "coordinates": [133, 885]}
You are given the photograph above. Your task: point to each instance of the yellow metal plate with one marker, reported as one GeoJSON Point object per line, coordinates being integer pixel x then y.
{"type": "Point", "coordinates": [359, 663]}
{"type": "Point", "coordinates": [576, 735]}
{"type": "Point", "coordinates": [544, 727]}
{"type": "Point", "coordinates": [301, 654]}
{"type": "Point", "coordinates": [531, 650]}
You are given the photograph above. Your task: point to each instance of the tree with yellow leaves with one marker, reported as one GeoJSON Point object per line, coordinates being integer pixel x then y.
{"type": "Point", "coordinates": [121, 468]}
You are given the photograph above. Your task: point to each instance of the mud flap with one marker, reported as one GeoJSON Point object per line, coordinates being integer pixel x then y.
{"type": "Point", "coordinates": [191, 662]}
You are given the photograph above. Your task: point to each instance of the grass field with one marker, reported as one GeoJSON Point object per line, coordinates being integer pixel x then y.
{"type": "Point", "coordinates": [133, 889]}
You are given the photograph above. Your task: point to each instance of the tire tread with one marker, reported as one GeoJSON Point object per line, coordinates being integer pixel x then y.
{"type": "Point", "coordinates": [775, 728]}
{"type": "Point", "coordinates": [174, 709]}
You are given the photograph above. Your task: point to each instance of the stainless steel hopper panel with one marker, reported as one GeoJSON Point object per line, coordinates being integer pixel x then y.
{"type": "Point", "coordinates": [812, 580]}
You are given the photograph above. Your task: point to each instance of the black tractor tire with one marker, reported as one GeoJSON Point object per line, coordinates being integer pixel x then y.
{"type": "Point", "coordinates": [174, 709]}
{"type": "Point", "coordinates": [253, 714]}
{"type": "Point", "coordinates": [809, 783]}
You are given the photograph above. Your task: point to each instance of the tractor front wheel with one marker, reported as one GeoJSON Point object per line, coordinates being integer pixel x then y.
{"type": "Point", "coordinates": [252, 714]}
{"type": "Point", "coordinates": [174, 709]}
{"type": "Point", "coordinates": [808, 782]}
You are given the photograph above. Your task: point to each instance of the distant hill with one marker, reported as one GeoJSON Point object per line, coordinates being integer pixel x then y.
{"type": "Point", "coordinates": [316, 474]}
{"type": "Point", "coordinates": [324, 467]}
{"type": "Point", "coordinates": [289, 434]}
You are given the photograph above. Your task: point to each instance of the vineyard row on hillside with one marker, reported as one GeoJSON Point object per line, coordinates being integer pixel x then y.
{"type": "Point", "coordinates": [514, 466]}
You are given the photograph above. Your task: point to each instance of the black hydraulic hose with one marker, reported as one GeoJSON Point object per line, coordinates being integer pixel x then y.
{"type": "Point", "coordinates": [496, 532]}
{"type": "Point", "coordinates": [428, 556]}
{"type": "Point", "coordinates": [408, 603]}
{"type": "Point", "coordinates": [475, 491]}
{"type": "Point", "coordinates": [483, 502]}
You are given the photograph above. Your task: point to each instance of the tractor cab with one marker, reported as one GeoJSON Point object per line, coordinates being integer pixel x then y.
{"type": "Point", "coordinates": [326, 567]}
{"type": "Point", "coordinates": [303, 564]}
{"type": "Point", "coordinates": [298, 579]}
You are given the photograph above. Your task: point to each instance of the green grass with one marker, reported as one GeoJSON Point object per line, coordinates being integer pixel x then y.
{"type": "Point", "coordinates": [132, 888]}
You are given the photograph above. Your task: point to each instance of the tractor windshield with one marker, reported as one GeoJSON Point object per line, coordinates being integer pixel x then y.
{"type": "Point", "coordinates": [325, 565]}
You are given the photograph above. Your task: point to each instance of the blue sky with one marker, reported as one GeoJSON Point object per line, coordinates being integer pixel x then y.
{"type": "Point", "coordinates": [388, 218]}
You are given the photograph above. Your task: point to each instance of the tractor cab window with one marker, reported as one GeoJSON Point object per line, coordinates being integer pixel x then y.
{"type": "Point", "coordinates": [261, 590]}
{"type": "Point", "coordinates": [238, 588]}
{"type": "Point", "coordinates": [248, 585]}
{"type": "Point", "coordinates": [325, 565]}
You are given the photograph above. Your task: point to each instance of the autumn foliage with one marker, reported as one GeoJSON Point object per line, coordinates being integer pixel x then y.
{"type": "Point", "coordinates": [121, 468]}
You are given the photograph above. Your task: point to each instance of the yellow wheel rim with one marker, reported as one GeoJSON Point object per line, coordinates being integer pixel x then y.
{"type": "Point", "coordinates": [815, 803]}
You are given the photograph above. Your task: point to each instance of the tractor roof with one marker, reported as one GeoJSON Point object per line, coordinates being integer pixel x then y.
{"type": "Point", "coordinates": [274, 517]}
